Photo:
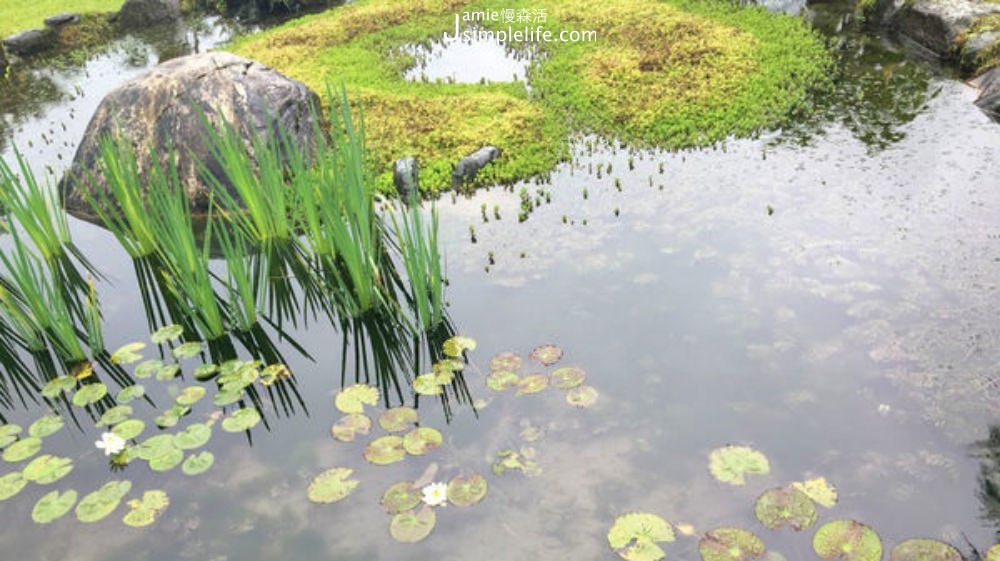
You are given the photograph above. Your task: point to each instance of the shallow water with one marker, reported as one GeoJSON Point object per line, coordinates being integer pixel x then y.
{"type": "Point", "coordinates": [833, 304]}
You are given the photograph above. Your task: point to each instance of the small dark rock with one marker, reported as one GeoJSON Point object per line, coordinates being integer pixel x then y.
{"type": "Point", "coordinates": [405, 175]}
{"type": "Point", "coordinates": [146, 13]}
{"type": "Point", "coordinates": [989, 92]}
{"type": "Point", "coordinates": [29, 42]}
{"type": "Point", "coordinates": [469, 166]}
{"type": "Point", "coordinates": [59, 20]}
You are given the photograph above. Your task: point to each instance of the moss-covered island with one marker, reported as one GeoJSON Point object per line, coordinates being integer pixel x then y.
{"type": "Point", "coordinates": [669, 73]}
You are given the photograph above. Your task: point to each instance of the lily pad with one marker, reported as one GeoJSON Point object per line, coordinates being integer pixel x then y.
{"type": "Point", "coordinates": [847, 540]}
{"type": "Point", "coordinates": [510, 362]}
{"type": "Point", "coordinates": [11, 484]}
{"type": "Point", "coordinates": [241, 420]}
{"type": "Point", "coordinates": [993, 554]}
{"type": "Point", "coordinates": [91, 393]}
{"type": "Point", "coordinates": [190, 395]}
{"type": "Point", "coordinates": [144, 512]}
{"type": "Point", "coordinates": [167, 372]}
{"type": "Point", "coordinates": [57, 386]}
{"type": "Point", "coordinates": [348, 427]}
{"type": "Point", "coordinates": [398, 419]}
{"type": "Point", "coordinates": [44, 426]}
{"type": "Point", "coordinates": [127, 354]}
{"type": "Point", "coordinates": [115, 415]}
{"type": "Point", "coordinates": [523, 461]}
{"type": "Point", "coordinates": [102, 502]}
{"type": "Point", "coordinates": [147, 368]}
{"type": "Point", "coordinates": [567, 377]}
{"type": "Point", "coordinates": [194, 436]}
{"type": "Point", "coordinates": [205, 372]}
{"type": "Point", "coordinates": [547, 355]}
{"type": "Point", "coordinates": [353, 399]}
{"type": "Point", "coordinates": [582, 396]}
{"type": "Point", "coordinates": [456, 346]}
{"type": "Point", "coordinates": [918, 549]}
{"type": "Point", "coordinates": [532, 384]}
{"type": "Point", "coordinates": [634, 536]}
{"type": "Point", "coordinates": [129, 429]}
{"type": "Point", "coordinates": [47, 469]}
{"type": "Point", "coordinates": [166, 333]}
{"type": "Point", "coordinates": [332, 485]}
{"type": "Point", "coordinates": [467, 491]}
{"type": "Point", "coordinates": [818, 490]}
{"type": "Point", "coordinates": [411, 527]}
{"type": "Point", "coordinates": [730, 544]}
{"type": "Point", "coordinates": [427, 384]}
{"type": "Point", "coordinates": [422, 440]}
{"type": "Point", "coordinates": [53, 506]}
{"type": "Point", "coordinates": [730, 464]}
{"type": "Point", "coordinates": [500, 380]}
{"type": "Point", "coordinates": [167, 420]}
{"type": "Point", "coordinates": [22, 449]}
{"type": "Point", "coordinates": [187, 350]}
{"type": "Point", "coordinates": [785, 506]}
{"type": "Point", "coordinates": [226, 397]}
{"type": "Point", "coordinates": [154, 446]}
{"type": "Point", "coordinates": [385, 450]}
{"type": "Point", "coordinates": [167, 461]}
{"type": "Point", "coordinates": [130, 393]}
{"type": "Point", "coordinates": [8, 434]}
{"type": "Point", "coordinates": [197, 464]}
{"type": "Point", "coordinates": [273, 373]}
{"type": "Point", "coordinates": [401, 497]}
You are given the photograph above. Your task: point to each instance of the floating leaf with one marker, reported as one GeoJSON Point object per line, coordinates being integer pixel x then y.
{"type": "Point", "coordinates": [582, 396]}
{"type": "Point", "coordinates": [353, 399]}
{"type": "Point", "coordinates": [532, 384]}
{"type": "Point", "coordinates": [398, 419]}
{"type": "Point", "coordinates": [730, 463]}
{"type": "Point", "coordinates": [332, 485]}
{"type": "Point", "coordinates": [273, 373]}
{"type": "Point", "coordinates": [167, 420]}
{"type": "Point", "coordinates": [190, 395]}
{"type": "Point", "coordinates": [130, 393]}
{"type": "Point", "coordinates": [53, 506]}
{"type": "Point", "coordinates": [500, 380]}
{"type": "Point", "coordinates": [102, 502]}
{"type": "Point", "coordinates": [994, 553]}
{"type": "Point", "coordinates": [634, 536]}
{"type": "Point", "coordinates": [167, 372]}
{"type": "Point", "coordinates": [918, 549]}
{"type": "Point", "coordinates": [350, 426]}
{"type": "Point", "coordinates": [205, 372]}
{"type": "Point", "coordinates": [154, 446]}
{"type": "Point", "coordinates": [91, 393]}
{"type": "Point", "coordinates": [422, 440]}
{"type": "Point", "coordinates": [241, 420]}
{"type": "Point", "coordinates": [401, 497]}
{"type": "Point", "coordinates": [127, 354]}
{"type": "Point", "coordinates": [522, 461]}
{"type": "Point", "coordinates": [194, 436]}
{"type": "Point", "coordinates": [457, 345]}
{"type": "Point", "coordinates": [567, 377]}
{"type": "Point", "coordinates": [547, 355]}
{"type": "Point", "coordinates": [115, 415]}
{"type": "Point", "coordinates": [11, 484]}
{"type": "Point", "coordinates": [730, 544]}
{"type": "Point", "coordinates": [167, 461]}
{"type": "Point", "coordinates": [847, 540]}
{"type": "Point", "coordinates": [148, 368]}
{"type": "Point", "coordinates": [22, 449]}
{"type": "Point", "coordinates": [166, 333]}
{"type": "Point", "coordinates": [143, 512]}
{"type": "Point", "coordinates": [467, 491]}
{"type": "Point", "coordinates": [427, 384]}
{"type": "Point", "coordinates": [385, 450]}
{"type": "Point", "coordinates": [785, 506]}
{"type": "Point", "coordinates": [47, 469]}
{"type": "Point", "coordinates": [511, 362]}
{"type": "Point", "coordinates": [8, 434]}
{"type": "Point", "coordinates": [197, 464]}
{"type": "Point", "coordinates": [129, 429]}
{"type": "Point", "coordinates": [818, 490]}
{"type": "Point", "coordinates": [187, 350]}
{"type": "Point", "coordinates": [410, 527]}
{"type": "Point", "coordinates": [58, 385]}
{"type": "Point", "coordinates": [225, 398]}
{"type": "Point", "coordinates": [44, 426]}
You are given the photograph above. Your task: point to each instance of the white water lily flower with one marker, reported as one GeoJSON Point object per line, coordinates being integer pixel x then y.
{"type": "Point", "coordinates": [111, 443]}
{"type": "Point", "coordinates": [436, 494]}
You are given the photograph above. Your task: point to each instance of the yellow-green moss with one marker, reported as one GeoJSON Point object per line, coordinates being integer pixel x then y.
{"type": "Point", "coordinates": [20, 15]}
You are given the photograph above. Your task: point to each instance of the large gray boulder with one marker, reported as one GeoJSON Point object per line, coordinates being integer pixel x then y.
{"type": "Point", "coordinates": [163, 109]}
{"type": "Point", "coordinates": [989, 92]}
{"type": "Point", "coordinates": [145, 13]}
{"type": "Point", "coordinates": [940, 26]}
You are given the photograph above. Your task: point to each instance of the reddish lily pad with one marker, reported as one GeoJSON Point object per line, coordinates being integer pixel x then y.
{"type": "Point", "coordinates": [398, 419]}
{"type": "Point", "coordinates": [510, 362]}
{"type": "Point", "coordinates": [348, 427]}
{"type": "Point", "coordinates": [567, 377]}
{"type": "Point", "coordinates": [847, 540]}
{"type": "Point", "coordinates": [547, 355]}
{"type": "Point", "coordinates": [412, 527]}
{"type": "Point", "coordinates": [401, 497]}
{"type": "Point", "coordinates": [385, 450]}
{"type": "Point", "coordinates": [785, 506]}
{"type": "Point", "coordinates": [730, 544]}
{"type": "Point", "coordinates": [532, 384]}
{"type": "Point", "coordinates": [422, 440]}
{"type": "Point", "coordinates": [467, 491]}
{"type": "Point", "coordinates": [500, 380]}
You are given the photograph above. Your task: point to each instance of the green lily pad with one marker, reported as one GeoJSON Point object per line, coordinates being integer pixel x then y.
{"type": "Point", "coordinates": [847, 540]}
{"type": "Point", "coordinates": [401, 497]}
{"type": "Point", "coordinates": [205, 372]}
{"type": "Point", "coordinates": [332, 485]}
{"type": "Point", "coordinates": [129, 429]}
{"type": "Point", "coordinates": [148, 368]}
{"type": "Point", "coordinates": [91, 393]}
{"type": "Point", "coordinates": [11, 484]}
{"type": "Point", "coordinates": [994, 553]}
{"type": "Point", "coordinates": [167, 420]}
{"type": "Point", "coordinates": [167, 461]}
{"type": "Point", "coordinates": [729, 464]}
{"type": "Point", "coordinates": [58, 385]}
{"type": "Point", "coordinates": [567, 377]}
{"type": "Point", "coordinates": [187, 350]}
{"type": "Point", "coordinates": [467, 491]}
{"type": "Point", "coordinates": [443, 372]}
{"type": "Point", "coordinates": [53, 506]}
{"type": "Point", "coordinates": [385, 450]}
{"type": "Point", "coordinates": [197, 464]}
{"type": "Point", "coordinates": [166, 333]}
{"type": "Point", "coordinates": [634, 536]}
{"type": "Point", "coordinates": [730, 544]}
{"type": "Point", "coordinates": [785, 506]}
{"type": "Point", "coordinates": [194, 436]}
{"type": "Point", "coordinates": [511, 362]}
{"type": "Point", "coordinates": [115, 415]}
{"type": "Point", "coordinates": [167, 372]}
{"type": "Point", "coordinates": [422, 440]}
{"type": "Point", "coordinates": [127, 354]}
{"type": "Point", "coordinates": [398, 419]}
{"type": "Point", "coordinates": [8, 434]}
{"type": "Point", "coordinates": [353, 399]}
{"type": "Point", "coordinates": [238, 376]}
{"type": "Point", "coordinates": [102, 502]}
{"type": "Point", "coordinates": [411, 527]}
{"type": "Point", "coordinates": [582, 396]}
{"type": "Point", "coordinates": [130, 393]}
{"type": "Point", "coordinates": [918, 549]}
{"type": "Point", "coordinates": [44, 426]}
{"type": "Point", "coordinates": [456, 346]}
{"type": "Point", "coordinates": [273, 373]}
{"type": "Point", "coordinates": [47, 469]}
{"type": "Point", "coordinates": [155, 446]}
{"type": "Point", "coordinates": [225, 398]}
{"type": "Point", "coordinates": [500, 380]}
{"type": "Point", "coordinates": [427, 384]}
{"type": "Point", "coordinates": [241, 420]}
{"type": "Point", "coordinates": [522, 461]}
{"type": "Point", "coordinates": [546, 355]}
{"type": "Point", "coordinates": [143, 512]}
{"type": "Point", "coordinates": [532, 384]}
{"type": "Point", "coordinates": [348, 427]}
{"type": "Point", "coordinates": [190, 395]}
{"type": "Point", "coordinates": [818, 490]}
{"type": "Point", "coordinates": [22, 449]}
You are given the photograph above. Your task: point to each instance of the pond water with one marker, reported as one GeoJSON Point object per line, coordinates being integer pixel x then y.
{"type": "Point", "coordinates": [825, 294]}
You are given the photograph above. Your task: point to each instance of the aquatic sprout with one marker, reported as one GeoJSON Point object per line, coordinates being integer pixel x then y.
{"type": "Point", "coordinates": [634, 536]}
{"type": "Point", "coordinates": [111, 443]}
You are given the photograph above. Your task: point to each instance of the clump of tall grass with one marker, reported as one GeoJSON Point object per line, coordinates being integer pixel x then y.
{"type": "Point", "coordinates": [417, 240]}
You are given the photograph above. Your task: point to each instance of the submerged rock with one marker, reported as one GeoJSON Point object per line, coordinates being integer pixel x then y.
{"type": "Point", "coordinates": [60, 20]}
{"type": "Point", "coordinates": [162, 111]}
{"type": "Point", "coordinates": [946, 28]}
{"type": "Point", "coordinates": [469, 166]}
{"type": "Point", "coordinates": [30, 42]}
{"type": "Point", "coordinates": [146, 13]}
{"type": "Point", "coordinates": [989, 92]}
{"type": "Point", "coordinates": [405, 176]}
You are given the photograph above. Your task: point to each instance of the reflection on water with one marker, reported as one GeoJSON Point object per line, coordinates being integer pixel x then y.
{"type": "Point", "coordinates": [467, 61]}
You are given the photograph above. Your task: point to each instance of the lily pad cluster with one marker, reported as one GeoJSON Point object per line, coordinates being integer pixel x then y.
{"type": "Point", "coordinates": [522, 460]}
{"type": "Point", "coordinates": [412, 503]}
{"type": "Point", "coordinates": [505, 374]}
